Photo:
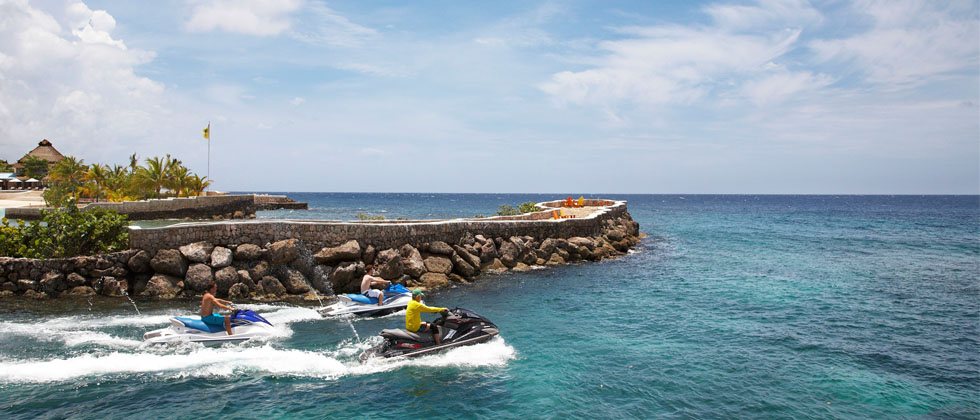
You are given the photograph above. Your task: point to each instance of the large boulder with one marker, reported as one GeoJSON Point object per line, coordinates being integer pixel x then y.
{"type": "Point", "coordinates": [82, 291]}
{"type": "Point", "coordinates": [347, 277]}
{"type": "Point", "coordinates": [509, 253]}
{"type": "Point", "coordinates": [24, 285]}
{"type": "Point", "coordinates": [271, 286]}
{"type": "Point", "coordinates": [494, 266]}
{"type": "Point", "coordinates": [238, 291]}
{"type": "Point", "coordinates": [348, 251]}
{"type": "Point", "coordinates": [199, 252]}
{"type": "Point", "coordinates": [615, 235]}
{"type": "Point", "coordinates": [225, 278]}
{"type": "Point", "coordinates": [169, 261]}
{"type": "Point", "coordinates": [412, 261]}
{"type": "Point", "coordinates": [434, 280]}
{"type": "Point", "coordinates": [259, 270]}
{"type": "Point", "coordinates": [248, 252]}
{"type": "Point", "coordinates": [198, 277]}
{"type": "Point", "coordinates": [53, 283]}
{"type": "Point", "coordinates": [441, 248]}
{"type": "Point", "coordinates": [113, 287]}
{"type": "Point", "coordinates": [389, 264]}
{"type": "Point", "coordinates": [221, 257]}
{"type": "Point", "coordinates": [139, 262]}
{"type": "Point", "coordinates": [320, 280]}
{"type": "Point", "coordinates": [437, 264]}
{"type": "Point", "coordinates": [581, 242]}
{"type": "Point", "coordinates": [548, 246]}
{"type": "Point", "coordinates": [463, 267]}
{"type": "Point", "coordinates": [245, 278]}
{"type": "Point", "coordinates": [162, 286]}
{"type": "Point", "coordinates": [369, 253]}
{"type": "Point", "coordinates": [555, 259]}
{"type": "Point", "coordinates": [283, 252]}
{"type": "Point", "coordinates": [75, 280]}
{"type": "Point", "coordinates": [468, 256]}
{"type": "Point", "coordinates": [293, 281]}
{"type": "Point", "coordinates": [488, 251]}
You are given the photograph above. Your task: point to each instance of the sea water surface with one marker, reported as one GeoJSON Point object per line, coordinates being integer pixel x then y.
{"type": "Point", "coordinates": [732, 306]}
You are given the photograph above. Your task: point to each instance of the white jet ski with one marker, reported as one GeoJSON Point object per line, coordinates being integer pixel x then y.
{"type": "Point", "coordinates": [396, 299]}
{"type": "Point", "coordinates": [245, 325]}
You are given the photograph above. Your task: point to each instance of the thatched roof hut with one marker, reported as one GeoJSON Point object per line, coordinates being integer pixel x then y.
{"type": "Point", "coordinates": [45, 151]}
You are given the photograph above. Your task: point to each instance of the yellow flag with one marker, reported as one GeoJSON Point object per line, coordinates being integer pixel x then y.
{"type": "Point", "coordinates": [207, 132]}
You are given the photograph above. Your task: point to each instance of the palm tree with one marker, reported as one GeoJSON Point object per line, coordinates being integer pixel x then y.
{"type": "Point", "coordinates": [196, 185]}
{"type": "Point", "coordinates": [96, 181]}
{"type": "Point", "coordinates": [154, 175]}
{"type": "Point", "coordinates": [70, 173]}
{"type": "Point", "coordinates": [180, 178]}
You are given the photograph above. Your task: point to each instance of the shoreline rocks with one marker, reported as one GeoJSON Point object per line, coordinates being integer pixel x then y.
{"type": "Point", "coordinates": [289, 268]}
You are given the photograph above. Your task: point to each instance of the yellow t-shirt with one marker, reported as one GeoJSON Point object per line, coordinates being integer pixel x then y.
{"type": "Point", "coordinates": [413, 314]}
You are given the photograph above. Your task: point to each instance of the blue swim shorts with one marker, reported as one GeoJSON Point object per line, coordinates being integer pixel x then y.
{"type": "Point", "coordinates": [214, 319]}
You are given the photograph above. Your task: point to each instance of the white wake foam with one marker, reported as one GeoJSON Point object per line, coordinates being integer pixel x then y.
{"type": "Point", "coordinates": [243, 361]}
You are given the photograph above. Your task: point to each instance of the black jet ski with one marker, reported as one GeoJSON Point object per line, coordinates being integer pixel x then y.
{"type": "Point", "coordinates": [460, 327]}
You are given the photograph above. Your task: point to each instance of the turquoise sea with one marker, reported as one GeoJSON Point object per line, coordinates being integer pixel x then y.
{"type": "Point", "coordinates": [733, 306]}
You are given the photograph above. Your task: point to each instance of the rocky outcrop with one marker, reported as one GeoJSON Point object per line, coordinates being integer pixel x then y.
{"type": "Point", "coordinates": [244, 269]}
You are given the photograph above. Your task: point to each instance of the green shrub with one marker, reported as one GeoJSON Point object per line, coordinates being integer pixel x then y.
{"type": "Point", "coordinates": [528, 207]}
{"type": "Point", "coordinates": [369, 217]}
{"type": "Point", "coordinates": [66, 232]}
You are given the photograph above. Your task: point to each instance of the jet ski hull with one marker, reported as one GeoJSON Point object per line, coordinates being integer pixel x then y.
{"type": "Point", "coordinates": [349, 307]}
{"type": "Point", "coordinates": [246, 325]}
{"type": "Point", "coordinates": [461, 328]}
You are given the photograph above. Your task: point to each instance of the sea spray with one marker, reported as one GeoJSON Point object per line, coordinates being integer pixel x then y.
{"type": "Point", "coordinates": [126, 293]}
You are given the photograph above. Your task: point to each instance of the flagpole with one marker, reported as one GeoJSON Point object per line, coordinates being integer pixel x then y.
{"type": "Point", "coordinates": [209, 153]}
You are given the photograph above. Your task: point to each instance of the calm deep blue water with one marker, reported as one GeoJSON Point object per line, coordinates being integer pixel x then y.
{"type": "Point", "coordinates": [734, 306]}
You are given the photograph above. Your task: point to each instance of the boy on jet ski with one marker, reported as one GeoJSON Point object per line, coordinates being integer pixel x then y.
{"type": "Point", "coordinates": [208, 302]}
{"type": "Point", "coordinates": [368, 282]}
{"type": "Point", "coordinates": [413, 316]}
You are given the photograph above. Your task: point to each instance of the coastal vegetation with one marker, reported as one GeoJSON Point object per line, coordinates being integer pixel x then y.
{"type": "Point", "coordinates": [369, 217]}
{"type": "Point", "coordinates": [526, 207]}
{"type": "Point", "coordinates": [65, 232]}
{"type": "Point", "coordinates": [5, 166]}
{"type": "Point", "coordinates": [72, 179]}
{"type": "Point", "coordinates": [35, 167]}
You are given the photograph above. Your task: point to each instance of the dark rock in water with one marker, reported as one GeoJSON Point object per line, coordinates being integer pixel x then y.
{"type": "Point", "coordinates": [139, 262]}
{"type": "Point", "coordinates": [162, 286]}
{"type": "Point", "coordinates": [437, 264]}
{"type": "Point", "coordinates": [238, 291]}
{"type": "Point", "coordinates": [75, 280]}
{"type": "Point", "coordinates": [473, 260]}
{"type": "Point", "coordinates": [82, 291]}
{"type": "Point", "coordinates": [434, 280]}
{"type": "Point", "coordinates": [495, 266]}
{"type": "Point", "coordinates": [113, 287]}
{"type": "Point", "coordinates": [509, 253]}
{"type": "Point", "coordinates": [456, 278]}
{"type": "Point", "coordinates": [412, 261]}
{"type": "Point", "coordinates": [462, 267]}
{"type": "Point", "coordinates": [369, 253]}
{"type": "Point", "coordinates": [198, 252]}
{"type": "Point", "coordinates": [441, 248]}
{"type": "Point", "coordinates": [53, 283]}
{"type": "Point", "coordinates": [34, 294]}
{"type": "Point", "coordinates": [283, 252]}
{"type": "Point", "coordinates": [139, 284]}
{"type": "Point", "coordinates": [25, 285]}
{"type": "Point", "coordinates": [347, 277]}
{"type": "Point", "coordinates": [488, 251]}
{"type": "Point", "coordinates": [169, 261]}
{"type": "Point", "coordinates": [198, 277]}
{"type": "Point", "coordinates": [272, 286]}
{"type": "Point", "coordinates": [348, 251]}
{"type": "Point", "coordinates": [521, 267]}
{"type": "Point", "coordinates": [248, 252]}
{"type": "Point", "coordinates": [221, 257]}
{"type": "Point", "coordinates": [320, 280]}
{"type": "Point", "coordinates": [388, 263]}
{"type": "Point", "coordinates": [245, 278]}
{"type": "Point", "coordinates": [225, 278]}
{"type": "Point", "coordinates": [555, 259]}
{"type": "Point", "coordinates": [293, 281]}
{"type": "Point", "coordinates": [615, 235]}
{"type": "Point", "coordinates": [259, 270]}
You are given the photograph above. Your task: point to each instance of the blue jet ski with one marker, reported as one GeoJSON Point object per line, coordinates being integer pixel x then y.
{"type": "Point", "coordinates": [245, 325]}
{"type": "Point", "coordinates": [396, 298]}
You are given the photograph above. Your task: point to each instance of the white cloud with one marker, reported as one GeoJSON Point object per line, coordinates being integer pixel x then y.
{"type": "Point", "coordinates": [64, 77]}
{"type": "Point", "coordinates": [776, 87]}
{"type": "Point", "coordinates": [318, 24]}
{"type": "Point", "coordinates": [297, 101]}
{"type": "Point", "coordinates": [252, 17]}
{"type": "Point", "coordinates": [909, 42]}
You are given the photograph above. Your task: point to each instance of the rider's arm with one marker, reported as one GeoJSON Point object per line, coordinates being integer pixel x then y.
{"type": "Point", "coordinates": [218, 303]}
{"type": "Point", "coordinates": [424, 308]}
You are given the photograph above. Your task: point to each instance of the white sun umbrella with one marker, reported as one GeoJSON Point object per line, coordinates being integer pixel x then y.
{"type": "Point", "coordinates": [31, 180]}
{"type": "Point", "coordinates": [15, 180]}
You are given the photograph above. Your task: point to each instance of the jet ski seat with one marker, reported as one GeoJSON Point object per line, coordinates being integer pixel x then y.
{"type": "Point", "coordinates": [405, 335]}
{"type": "Point", "coordinates": [362, 299]}
{"type": "Point", "coordinates": [199, 325]}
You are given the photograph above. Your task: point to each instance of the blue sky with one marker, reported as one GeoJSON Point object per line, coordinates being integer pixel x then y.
{"type": "Point", "coordinates": [508, 96]}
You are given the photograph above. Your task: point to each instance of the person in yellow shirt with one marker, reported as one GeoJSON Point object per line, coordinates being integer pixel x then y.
{"type": "Point", "coordinates": [413, 316]}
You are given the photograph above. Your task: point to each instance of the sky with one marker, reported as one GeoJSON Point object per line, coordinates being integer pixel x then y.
{"type": "Point", "coordinates": [750, 97]}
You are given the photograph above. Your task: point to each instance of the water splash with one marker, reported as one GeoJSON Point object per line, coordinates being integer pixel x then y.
{"type": "Point", "coordinates": [126, 293]}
